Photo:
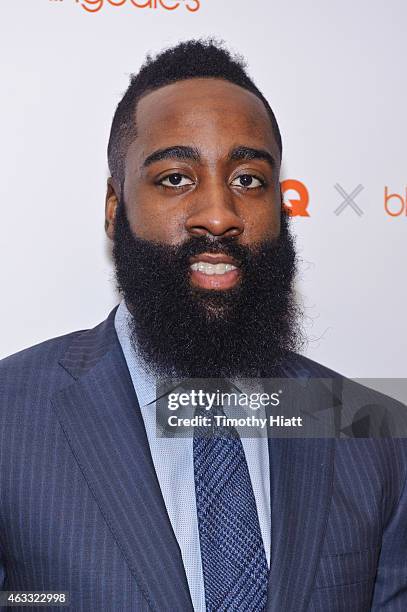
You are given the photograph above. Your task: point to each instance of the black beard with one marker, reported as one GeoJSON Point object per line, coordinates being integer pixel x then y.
{"type": "Point", "coordinates": [183, 331]}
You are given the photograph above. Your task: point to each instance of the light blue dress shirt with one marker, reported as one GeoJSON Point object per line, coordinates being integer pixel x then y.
{"type": "Point", "coordinates": [173, 462]}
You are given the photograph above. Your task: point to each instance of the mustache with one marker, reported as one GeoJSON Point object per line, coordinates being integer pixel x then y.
{"type": "Point", "coordinates": [197, 245]}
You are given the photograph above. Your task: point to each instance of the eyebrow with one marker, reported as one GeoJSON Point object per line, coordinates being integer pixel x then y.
{"type": "Point", "coordinates": [176, 152]}
{"type": "Point", "coordinates": [242, 153]}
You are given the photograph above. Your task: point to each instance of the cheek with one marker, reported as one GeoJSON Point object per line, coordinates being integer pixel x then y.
{"type": "Point", "coordinates": [261, 222]}
{"type": "Point", "coordinates": [150, 220]}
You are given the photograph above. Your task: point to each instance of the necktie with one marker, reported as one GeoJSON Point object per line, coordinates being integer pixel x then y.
{"type": "Point", "coordinates": [233, 559]}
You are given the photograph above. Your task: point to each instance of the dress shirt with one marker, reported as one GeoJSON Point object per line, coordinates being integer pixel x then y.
{"type": "Point", "coordinates": [173, 462]}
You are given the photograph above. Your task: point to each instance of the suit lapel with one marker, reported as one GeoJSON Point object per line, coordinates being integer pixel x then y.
{"type": "Point", "coordinates": [301, 473]}
{"type": "Point", "coordinates": [102, 421]}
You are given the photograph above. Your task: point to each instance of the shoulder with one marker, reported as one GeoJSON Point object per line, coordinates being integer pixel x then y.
{"type": "Point", "coordinates": [360, 408]}
{"type": "Point", "coordinates": [39, 354]}
{"type": "Point", "coordinates": [298, 365]}
{"type": "Point", "coordinates": [35, 369]}
{"type": "Point", "coordinates": [350, 389]}
{"type": "Point", "coordinates": [37, 372]}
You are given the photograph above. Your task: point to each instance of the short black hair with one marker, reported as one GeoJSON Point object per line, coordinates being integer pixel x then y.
{"type": "Point", "coordinates": [191, 59]}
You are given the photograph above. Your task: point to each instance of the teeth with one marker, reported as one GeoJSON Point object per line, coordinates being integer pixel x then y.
{"type": "Point", "coordinates": [208, 268]}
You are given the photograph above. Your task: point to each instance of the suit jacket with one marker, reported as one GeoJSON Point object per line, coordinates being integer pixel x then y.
{"type": "Point", "coordinates": [81, 509]}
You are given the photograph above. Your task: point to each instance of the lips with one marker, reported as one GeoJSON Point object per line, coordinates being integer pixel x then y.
{"type": "Point", "coordinates": [214, 271]}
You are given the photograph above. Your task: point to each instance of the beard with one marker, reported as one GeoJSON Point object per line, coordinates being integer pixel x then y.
{"type": "Point", "coordinates": [184, 331]}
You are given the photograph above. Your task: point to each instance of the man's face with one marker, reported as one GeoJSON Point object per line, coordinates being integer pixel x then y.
{"type": "Point", "coordinates": [203, 254]}
{"type": "Point", "coordinates": [205, 162]}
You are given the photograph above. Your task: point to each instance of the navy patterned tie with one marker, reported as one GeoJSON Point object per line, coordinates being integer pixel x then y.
{"type": "Point", "coordinates": [233, 558]}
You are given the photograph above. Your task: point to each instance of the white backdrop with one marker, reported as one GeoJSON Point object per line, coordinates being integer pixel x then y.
{"type": "Point", "coordinates": [335, 74]}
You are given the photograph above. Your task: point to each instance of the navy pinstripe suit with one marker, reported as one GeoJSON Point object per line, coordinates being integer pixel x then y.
{"type": "Point", "coordinates": [81, 509]}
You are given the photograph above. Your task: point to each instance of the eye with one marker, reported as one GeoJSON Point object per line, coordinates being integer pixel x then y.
{"type": "Point", "coordinates": [247, 181]}
{"type": "Point", "coordinates": [176, 180]}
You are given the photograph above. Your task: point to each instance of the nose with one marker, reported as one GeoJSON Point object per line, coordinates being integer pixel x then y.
{"type": "Point", "coordinates": [213, 213]}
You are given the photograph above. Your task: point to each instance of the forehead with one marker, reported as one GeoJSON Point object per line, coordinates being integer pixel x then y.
{"type": "Point", "coordinates": [206, 113]}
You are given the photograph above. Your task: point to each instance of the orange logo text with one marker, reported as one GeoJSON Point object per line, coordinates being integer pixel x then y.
{"type": "Point", "coordinates": [395, 204]}
{"type": "Point", "coordinates": [295, 206]}
{"type": "Point", "coordinates": [94, 6]}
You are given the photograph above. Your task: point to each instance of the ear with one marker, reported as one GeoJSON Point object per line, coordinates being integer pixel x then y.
{"type": "Point", "coordinates": [112, 202]}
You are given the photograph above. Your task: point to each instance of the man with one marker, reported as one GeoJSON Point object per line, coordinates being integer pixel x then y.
{"type": "Point", "coordinates": [92, 501]}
